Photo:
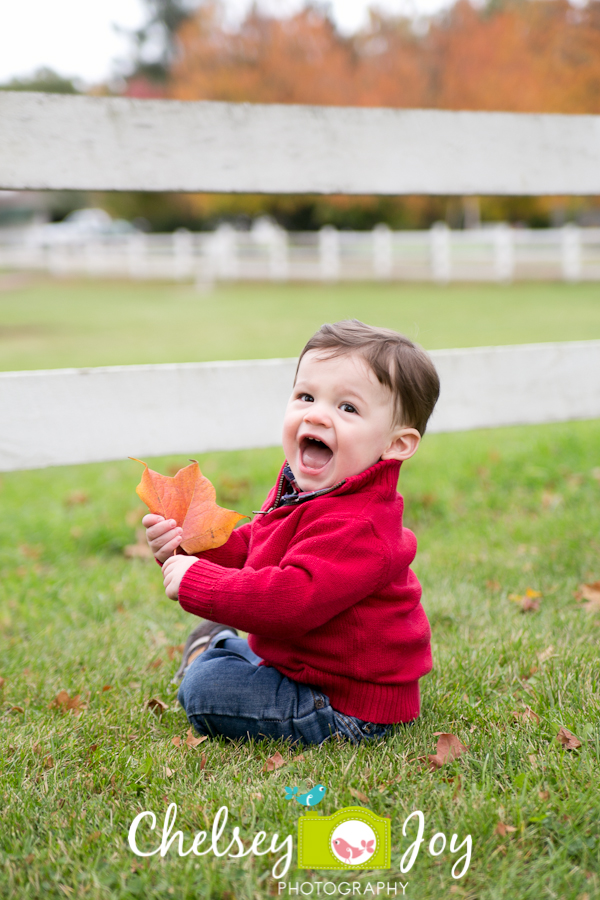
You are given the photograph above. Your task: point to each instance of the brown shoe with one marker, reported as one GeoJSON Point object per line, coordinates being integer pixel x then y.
{"type": "Point", "coordinates": [199, 641]}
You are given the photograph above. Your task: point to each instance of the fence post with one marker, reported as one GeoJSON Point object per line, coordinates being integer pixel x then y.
{"type": "Point", "coordinates": [183, 250]}
{"type": "Point", "coordinates": [382, 251]}
{"type": "Point", "coordinates": [278, 254]}
{"type": "Point", "coordinates": [136, 254]}
{"type": "Point", "coordinates": [224, 252]}
{"type": "Point", "coordinates": [504, 257]}
{"type": "Point", "coordinates": [329, 253]}
{"type": "Point", "coordinates": [439, 244]}
{"type": "Point", "coordinates": [571, 252]}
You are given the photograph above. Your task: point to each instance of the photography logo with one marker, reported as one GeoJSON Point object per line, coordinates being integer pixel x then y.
{"type": "Point", "coordinates": [351, 838]}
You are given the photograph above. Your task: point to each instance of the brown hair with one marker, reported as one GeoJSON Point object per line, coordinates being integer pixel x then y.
{"type": "Point", "coordinates": [403, 367]}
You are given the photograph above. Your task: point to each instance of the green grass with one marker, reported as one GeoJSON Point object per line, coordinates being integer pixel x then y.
{"type": "Point", "coordinates": [495, 513]}
{"type": "Point", "coordinates": [53, 324]}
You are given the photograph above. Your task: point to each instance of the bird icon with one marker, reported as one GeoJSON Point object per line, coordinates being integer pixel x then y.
{"type": "Point", "coordinates": [310, 798]}
{"type": "Point", "coordinates": [346, 851]}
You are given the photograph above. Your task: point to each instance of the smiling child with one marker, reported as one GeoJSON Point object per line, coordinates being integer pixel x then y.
{"type": "Point", "coordinates": [321, 578]}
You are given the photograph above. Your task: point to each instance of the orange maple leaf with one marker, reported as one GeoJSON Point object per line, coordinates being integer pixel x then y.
{"type": "Point", "coordinates": [189, 498]}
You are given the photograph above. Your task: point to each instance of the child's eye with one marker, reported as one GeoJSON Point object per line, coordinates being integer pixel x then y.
{"type": "Point", "coordinates": [347, 407]}
{"type": "Point", "coordinates": [308, 398]}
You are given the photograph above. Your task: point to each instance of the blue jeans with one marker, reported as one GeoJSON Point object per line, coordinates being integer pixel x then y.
{"type": "Point", "coordinates": [225, 691]}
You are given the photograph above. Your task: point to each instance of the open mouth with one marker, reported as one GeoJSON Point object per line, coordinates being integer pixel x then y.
{"type": "Point", "coordinates": [315, 454]}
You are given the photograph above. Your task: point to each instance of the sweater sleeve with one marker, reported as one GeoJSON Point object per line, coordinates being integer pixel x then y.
{"type": "Point", "coordinates": [330, 566]}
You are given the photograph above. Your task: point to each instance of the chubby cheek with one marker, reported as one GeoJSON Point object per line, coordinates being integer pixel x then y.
{"type": "Point", "coordinates": [288, 438]}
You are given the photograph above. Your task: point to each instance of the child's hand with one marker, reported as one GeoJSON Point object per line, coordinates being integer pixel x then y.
{"type": "Point", "coordinates": [163, 535]}
{"type": "Point", "coordinates": [173, 571]}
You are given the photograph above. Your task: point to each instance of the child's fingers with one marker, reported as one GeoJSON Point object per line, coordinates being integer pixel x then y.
{"type": "Point", "coordinates": [165, 529]}
{"type": "Point", "coordinates": [151, 519]}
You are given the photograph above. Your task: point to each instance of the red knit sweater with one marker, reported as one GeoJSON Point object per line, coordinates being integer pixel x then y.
{"type": "Point", "coordinates": [325, 590]}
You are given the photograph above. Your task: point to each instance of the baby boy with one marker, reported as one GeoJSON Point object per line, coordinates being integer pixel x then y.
{"type": "Point", "coordinates": [320, 579]}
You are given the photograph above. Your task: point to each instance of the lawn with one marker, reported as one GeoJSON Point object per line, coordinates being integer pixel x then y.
{"type": "Point", "coordinates": [502, 517]}
{"type": "Point", "coordinates": [52, 324]}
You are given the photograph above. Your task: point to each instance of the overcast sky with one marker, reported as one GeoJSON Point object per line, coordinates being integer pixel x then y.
{"type": "Point", "coordinates": [77, 37]}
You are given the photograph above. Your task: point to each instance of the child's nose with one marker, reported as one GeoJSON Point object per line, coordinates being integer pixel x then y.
{"type": "Point", "coordinates": [317, 414]}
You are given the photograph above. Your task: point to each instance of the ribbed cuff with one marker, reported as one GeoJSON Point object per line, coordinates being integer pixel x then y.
{"type": "Point", "coordinates": [197, 591]}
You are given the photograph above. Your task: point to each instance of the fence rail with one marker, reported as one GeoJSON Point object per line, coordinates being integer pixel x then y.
{"type": "Point", "coordinates": [117, 143]}
{"type": "Point", "coordinates": [266, 252]}
{"type": "Point", "coordinates": [68, 416]}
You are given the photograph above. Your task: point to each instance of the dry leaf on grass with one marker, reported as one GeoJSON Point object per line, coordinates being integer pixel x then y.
{"type": "Point", "coordinates": [106, 687]}
{"type": "Point", "coordinates": [168, 772]}
{"type": "Point", "coordinates": [176, 741]}
{"type": "Point", "coordinates": [359, 795]}
{"type": "Point", "coordinates": [274, 762]}
{"type": "Point", "coordinates": [568, 740]}
{"type": "Point", "coordinates": [526, 715]}
{"type": "Point", "coordinates": [2, 682]}
{"type": "Point", "coordinates": [529, 601]}
{"type": "Point", "coordinates": [449, 747]}
{"type": "Point", "coordinates": [64, 702]}
{"type": "Point", "coordinates": [139, 550]}
{"type": "Point", "coordinates": [48, 762]}
{"type": "Point", "coordinates": [192, 741]}
{"type": "Point", "coordinates": [155, 664]}
{"type": "Point", "coordinates": [590, 593]}
{"type": "Point", "coordinates": [189, 498]}
{"type": "Point", "coordinates": [544, 795]}
{"type": "Point", "coordinates": [157, 706]}
{"type": "Point", "coordinates": [77, 498]}
{"type": "Point", "coordinates": [503, 830]}
{"type": "Point", "coordinates": [172, 652]}
{"type": "Point", "coordinates": [16, 709]}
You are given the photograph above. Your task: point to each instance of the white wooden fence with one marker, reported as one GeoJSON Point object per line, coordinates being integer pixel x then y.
{"type": "Point", "coordinates": [266, 252]}
{"type": "Point", "coordinates": [54, 142]}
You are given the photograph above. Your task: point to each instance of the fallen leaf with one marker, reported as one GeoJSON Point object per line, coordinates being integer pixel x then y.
{"type": "Point", "coordinates": [449, 747]}
{"type": "Point", "coordinates": [17, 709]}
{"type": "Point", "coordinates": [155, 664]}
{"type": "Point", "coordinates": [203, 760]}
{"type": "Point", "coordinates": [493, 585]}
{"type": "Point", "coordinates": [168, 772]}
{"type": "Point", "coordinates": [189, 498]}
{"type": "Point", "coordinates": [274, 762]}
{"type": "Point", "coordinates": [359, 795]}
{"type": "Point", "coordinates": [76, 498]}
{"type": "Point", "coordinates": [49, 762]}
{"type": "Point", "coordinates": [568, 740]}
{"type": "Point", "coordinates": [139, 550]}
{"type": "Point", "coordinates": [544, 795]}
{"type": "Point", "coordinates": [533, 760]}
{"type": "Point", "coordinates": [503, 829]}
{"type": "Point", "coordinates": [532, 594]}
{"type": "Point", "coordinates": [299, 758]}
{"type": "Point", "coordinates": [526, 715]}
{"type": "Point", "coordinates": [2, 682]}
{"type": "Point", "coordinates": [591, 593]}
{"type": "Point", "coordinates": [65, 702]}
{"type": "Point", "coordinates": [106, 687]}
{"type": "Point", "coordinates": [192, 741]}
{"type": "Point", "coordinates": [530, 604]}
{"type": "Point", "coordinates": [176, 741]}
{"type": "Point", "coordinates": [172, 652]}
{"type": "Point", "coordinates": [157, 706]}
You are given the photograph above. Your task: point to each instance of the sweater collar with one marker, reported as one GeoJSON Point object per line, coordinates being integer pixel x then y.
{"type": "Point", "coordinates": [383, 476]}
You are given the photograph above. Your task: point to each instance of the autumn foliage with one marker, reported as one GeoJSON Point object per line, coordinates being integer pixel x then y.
{"type": "Point", "coordinates": [526, 56]}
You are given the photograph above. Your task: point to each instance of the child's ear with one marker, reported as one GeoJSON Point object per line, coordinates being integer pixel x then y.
{"type": "Point", "coordinates": [403, 445]}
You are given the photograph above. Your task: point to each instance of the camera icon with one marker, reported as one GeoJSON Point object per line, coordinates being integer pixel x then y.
{"type": "Point", "coordinates": [351, 838]}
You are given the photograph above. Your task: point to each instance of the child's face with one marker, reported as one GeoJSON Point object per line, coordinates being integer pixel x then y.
{"type": "Point", "coordinates": [338, 422]}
